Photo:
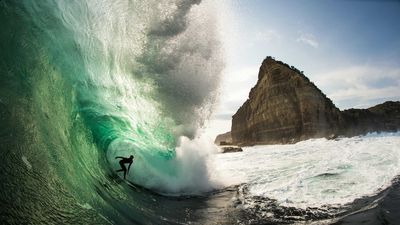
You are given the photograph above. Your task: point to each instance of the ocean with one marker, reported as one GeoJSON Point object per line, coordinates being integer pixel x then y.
{"type": "Point", "coordinates": [82, 82]}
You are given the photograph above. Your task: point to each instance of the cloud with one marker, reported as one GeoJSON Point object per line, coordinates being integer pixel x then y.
{"type": "Point", "coordinates": [360, 86]}
{"type": "Point", "coordinates": [309, 39]}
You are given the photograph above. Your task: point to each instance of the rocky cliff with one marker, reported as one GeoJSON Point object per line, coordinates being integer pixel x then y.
{"type": "Point", "coordinates": [382, 117]}
{"type": "Point", "coordinates": [283, 107]}
{"type": "Point", "coordinates": [286, 107]}
{"type": "Point", "coordinates": [223, 139]}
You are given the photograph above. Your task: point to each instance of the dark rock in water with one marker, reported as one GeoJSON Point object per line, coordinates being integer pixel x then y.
{"type": "Point", "coordinates": [224, 139]}
{"type": "Point", "coordinates": [228, 149]}
{"type": "Point", "coordinates": [286, 107]}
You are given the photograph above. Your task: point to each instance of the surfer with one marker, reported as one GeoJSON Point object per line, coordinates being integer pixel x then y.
{"type": "Point", "coordinates": [122, 163]}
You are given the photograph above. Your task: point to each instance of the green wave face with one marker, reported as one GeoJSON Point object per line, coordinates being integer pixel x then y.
{"type": "Point", "coordinates": [85, 81]}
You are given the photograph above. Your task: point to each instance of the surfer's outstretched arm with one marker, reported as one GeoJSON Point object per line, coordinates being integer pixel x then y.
{"type": "Point", "coordinates": [120, 157]}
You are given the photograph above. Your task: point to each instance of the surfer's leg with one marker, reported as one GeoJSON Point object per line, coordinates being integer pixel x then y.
{"type": "Point", "coordinates": [123, 168]}
{"type": "Point", "coordinates": [124, 174]}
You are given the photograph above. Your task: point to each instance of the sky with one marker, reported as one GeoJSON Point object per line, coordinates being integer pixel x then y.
{"type": "Point", "coordinates": [349, 48]}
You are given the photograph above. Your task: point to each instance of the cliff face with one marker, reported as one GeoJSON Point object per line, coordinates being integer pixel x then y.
{"type": "Point", "coordinates": [223, 139]}
{"type": "Point", "coordinates": [285, 107]}
{"type": "Point", "coordinates": [382, 117]}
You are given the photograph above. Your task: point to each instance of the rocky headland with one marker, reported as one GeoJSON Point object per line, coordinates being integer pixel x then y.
{"type": "Point", "coordinates": [286, 107]}
{"type": "Point", "coordinates": [224, 139]}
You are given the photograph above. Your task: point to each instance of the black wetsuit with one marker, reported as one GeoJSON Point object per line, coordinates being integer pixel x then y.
{"type": "Point", "coordinates": [122, 163]}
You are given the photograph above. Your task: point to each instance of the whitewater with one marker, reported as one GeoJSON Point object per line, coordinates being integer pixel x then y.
{"type": "Point", "coordinates": [82, 82]}
{"type": "Point", "coordinates": [316, 172]}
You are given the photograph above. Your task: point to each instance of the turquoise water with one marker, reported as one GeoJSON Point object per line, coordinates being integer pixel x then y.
{"type": "Point", "coordinates": [85, 81]}
{"type": "Point", "coordinates": [82, 82]}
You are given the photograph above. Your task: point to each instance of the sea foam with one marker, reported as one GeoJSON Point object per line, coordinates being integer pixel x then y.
{"type": "Point", "coordinates": [315, 172]}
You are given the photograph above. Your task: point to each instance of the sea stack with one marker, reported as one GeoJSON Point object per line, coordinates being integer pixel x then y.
{"type": "Point", "coordinates": [286, 107]}
{"type": "Point", "coordinates": [283, 107]}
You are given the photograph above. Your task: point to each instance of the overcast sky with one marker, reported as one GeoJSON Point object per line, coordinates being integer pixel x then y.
{"type": "Point", "coordinates": [349, 48]}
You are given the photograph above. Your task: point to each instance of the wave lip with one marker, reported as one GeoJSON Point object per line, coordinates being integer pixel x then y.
{"type": "Point", "coordinates": [82, 81]}
{"type": "Point", "coordinates": [146, 81]}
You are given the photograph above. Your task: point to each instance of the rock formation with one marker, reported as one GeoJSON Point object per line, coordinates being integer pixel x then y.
{"type": "Point", "coordinates": [286, 107]}
{"type": "Point", "coordinates": [230, 149]}
{"type": "Point", "coordinates": [224, 139]}
{"type": "Point", "coordinates": [382, 117]}
{"type": "Point", "coordinates": [283, 107]}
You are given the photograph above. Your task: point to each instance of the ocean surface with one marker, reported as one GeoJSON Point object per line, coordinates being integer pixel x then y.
{"type": "Point", "coordinates": [82, 82]}
{"type": "Point", "coordinates": [319, 180]}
